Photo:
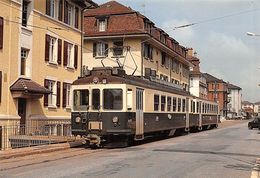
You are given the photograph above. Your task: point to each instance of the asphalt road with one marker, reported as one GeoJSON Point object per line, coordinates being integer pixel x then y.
{"type": "Point", "coordinates": [225, 152]}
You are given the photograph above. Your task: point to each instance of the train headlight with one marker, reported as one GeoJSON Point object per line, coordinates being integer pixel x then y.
{"type": "Point", "coordinates": [78, 119]}
{"type": "Point", "coordinates": [115, 119]}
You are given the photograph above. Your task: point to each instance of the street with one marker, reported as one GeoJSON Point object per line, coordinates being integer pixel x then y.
{"type": "Point", "coordinates": [228, 151]}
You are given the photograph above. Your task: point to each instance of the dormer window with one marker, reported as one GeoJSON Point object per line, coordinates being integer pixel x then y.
{"type": "Point", "coordinates": [102, 25]}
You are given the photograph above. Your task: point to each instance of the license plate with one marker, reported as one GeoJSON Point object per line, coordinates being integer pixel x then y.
{"type": "Point", "coordinates": [95, 125]}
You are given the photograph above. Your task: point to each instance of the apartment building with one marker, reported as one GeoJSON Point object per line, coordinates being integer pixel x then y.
{"type": "Point", "coordinates": [235, 100]}
{"type": "Point", "coordinates": [218, 92]}
{"type": "Point", "coordinates": [40, 56]}
{"type": "Point", "coordinates": [198, 84]}
{"type": "Point", "coordinates": [118, 36]}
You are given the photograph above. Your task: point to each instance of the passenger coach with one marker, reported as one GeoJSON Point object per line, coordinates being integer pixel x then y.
{"type": "Point", "coordinates": [112, 107]}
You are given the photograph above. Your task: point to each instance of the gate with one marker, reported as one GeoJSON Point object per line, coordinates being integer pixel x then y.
{"type": "Point", "coordinates": [139, 133]}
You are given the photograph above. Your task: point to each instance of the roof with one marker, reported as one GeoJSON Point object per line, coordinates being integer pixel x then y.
{"type": "Point", "coordinates": [122, 20]}
{"type": "Point", "coordinates": [231, 86]}
{"type": "Point", "coordinates": [257, 103]}
{"type": "Point", "coordinates": [211, 78]}
{"type": "Point", "coordinates": [28, 86]}
{"type": "Point", "coordinates": [85, 3]}
{"type": "Point", "coordinates": [246, 103]}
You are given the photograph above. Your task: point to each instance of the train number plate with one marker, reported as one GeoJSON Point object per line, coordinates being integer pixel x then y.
{"type": "Point", "coordinates": [95, 125]}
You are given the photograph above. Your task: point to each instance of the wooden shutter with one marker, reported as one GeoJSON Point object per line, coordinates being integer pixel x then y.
{"type": "Point", "coordinates": [76, 17]}
{"type": "Point", "coordinates": [60, 15]}
{"type": "Point", "coordinates": [64, 95]}
{"type": "Point", "coordinates": [75, 56]}
{"type": "Point", "coordinates": [106, 49]}
{"type": "Point", "coordinates": [65, 53]}
{"type": "Point", "coordinates": [94, 49]}
{"type": "Point", "coordinates": [66, 12]}
{"type": "Point", "coordinates": [46, 85]}
{"type": "Point", "coordinates": [58, 94]}
{"type": "Point", "coordinates": [0, 86]}
{"type": "Point", "coordinates": [47, 47]}
{"type": "Point", "coordinates": [48, 7]}
{"type": "Point", "coordinates": [1, 32]}
{"type": "Point", "coordinates": [59, 51]}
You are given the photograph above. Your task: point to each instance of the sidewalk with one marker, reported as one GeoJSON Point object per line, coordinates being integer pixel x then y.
{"type": "Point", "coordinates": [256, 170]}
{"type": "Point", "coordinates": [7, 154]}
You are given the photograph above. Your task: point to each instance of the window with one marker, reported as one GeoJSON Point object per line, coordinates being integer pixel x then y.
{"type": "Point", "coordinates": [52, 99]}
{"type": "Point", "coordinates": [0, 86]}
{"type": "Point", "coordinates": [70, 14]}
{"type": "Point", "coordinates": [118, 48]}
{"type": "Point", "coordinates": [24, 55]}
{"type": "Point", "coordinates": [113, 99]}
{"type": "Point", "coordinates": [198, 108]}
{"type": "Point", "coordinates": [66, 95]}
{"type": "Point", "coordinates": [100, 49]}
{"type": "Point", "coordinates": [81, 99]}
{"type": "Point", "coordinates": [156, 102]}
{"type": "Point", "coordinates": [169, 103]}
{"type": "Point", "coordinates": [163, 62]}
{"type": "Point", "coordinates": [95, 99]}
{"type": "Point", "coordinates": [1, 32]}
{"type": "Point", "coordinates": [69, 55]}
{"type": "Point", "coordinates": [148, 51]}
{"type": "Point", "coordinates": [183, 105]}
{"type": "Point", "coordinates": [191, 82]}
{"type": "Point", "coordinates": [179, 105]}
{"type": "Point", "coordinates": [51, 50]}
{"type": "Point", "coordinates": [163, 103]}
{"type": "Point", "coordinates": [174, 104]}
{"type": "Point", "coordinates": [25, 13]}
{"type": "Point", "coordinates": [52, 8]}
{"type": "Point", "coordinates": [102, 25]}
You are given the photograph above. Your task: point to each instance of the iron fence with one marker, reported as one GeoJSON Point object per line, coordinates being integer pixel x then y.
{"type": "Point", "coordinates": [37, 133]}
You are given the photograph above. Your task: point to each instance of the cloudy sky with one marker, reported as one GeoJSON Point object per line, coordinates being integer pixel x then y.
{"type": "Point", "coordinates": [219, 37]}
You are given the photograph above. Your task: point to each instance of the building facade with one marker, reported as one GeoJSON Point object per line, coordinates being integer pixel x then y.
{"type": "Point", "coordinates": [40, 56]}
{"type": "Point", "coordinates": [218, 92]}
{"type": "Point", "coordinates": [235, 101]}
{"type": "Point", "coordinates": [117, 36]}
{"type": "Point", "coordinates": [198, 84]}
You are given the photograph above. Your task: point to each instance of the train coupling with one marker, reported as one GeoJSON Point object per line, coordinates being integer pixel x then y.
{"type": "Point", "coordinates": [93, 139]}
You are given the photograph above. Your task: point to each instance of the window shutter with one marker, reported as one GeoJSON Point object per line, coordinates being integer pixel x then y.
{"type": "Point", "coordinates": [58, 94]}
{"type": "Point", "coordinates": [76, 17]}
{"type": "Point", "coordinates": [59, 50]}
{"type": "Point", "coordinates": [64, 95]}
{"type": "Point", "coordinates": [1, 32]}
{"type": "Point", "coordinates": [60, 10]}
{"type": "Point", "coordinates": [48, 7]}
{"type": "Point", "coordinates": [47, 47]}
{"type": "Point", "coordinates": [106, 49]}
{"type": "Point", "coordinates": [66, 12]}
{"type": "Point", "coordinates": [65, 54]}
{"type": "Point", "coordinates": [46, 85]}
{"type": "Point", "coordinates": [76, 57]}
{"type": "Point", "coordinates": [0, 86]}
{"type": "Point", "coordinates": [94, 49]}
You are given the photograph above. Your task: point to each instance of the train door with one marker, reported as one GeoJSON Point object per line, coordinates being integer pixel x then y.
{"type": "Point", "coordinates": [139, 133]}
{"type": "Point", "coordinates": [200, 115]}
{"type": "Point", "coordinates": [187, 128]}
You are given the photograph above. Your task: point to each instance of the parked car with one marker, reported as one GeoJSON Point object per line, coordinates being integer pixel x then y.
{"type": "Point", "coordinates": [254, 123]}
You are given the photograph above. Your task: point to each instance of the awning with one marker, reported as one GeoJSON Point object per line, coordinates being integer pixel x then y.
{"type": "Point", "coordinates": [26, 88]}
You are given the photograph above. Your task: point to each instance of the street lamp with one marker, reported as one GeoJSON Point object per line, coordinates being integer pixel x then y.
{"type": "Point", "coordinates": [252, 34]}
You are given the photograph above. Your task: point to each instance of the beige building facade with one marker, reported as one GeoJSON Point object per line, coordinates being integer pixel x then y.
{"type": "Point", "coordinates": [40, 56]}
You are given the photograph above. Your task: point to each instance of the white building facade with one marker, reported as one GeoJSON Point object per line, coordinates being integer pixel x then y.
{"type": "Point", "coordinates": [235, 100]}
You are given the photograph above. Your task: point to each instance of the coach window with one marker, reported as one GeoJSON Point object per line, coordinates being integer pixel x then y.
{"type": "Point", "coordinates": [174, 102]}
{"type": "Point", "coordinates": [179, 105]}
{"type": "Point", "coordinates": [197, 107]}
{"type": "Point", "coordinates": [169, 103]}
{"type": "Point", "coordinates": [95, 99]}
{"type": "Point", "coordinates": [193, 103]}
{"type": "Point", "coordinates": [203, 108]}
{"type": "Point", "coordinates": [113, 99]}
{"type": "Point", "coordinates": [183, 105]}
{"type": "Point", "coordinates": [156, 102]}
{"type": "Point", "coordinates": [81, 99]}
{"type": "Point", "coordinates": [163, 103]}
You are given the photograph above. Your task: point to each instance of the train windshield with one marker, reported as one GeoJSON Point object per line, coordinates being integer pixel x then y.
{"type": "Point", "coordinates": [81, 99]}
{"type": "Point", "coordinates": [113, 99]}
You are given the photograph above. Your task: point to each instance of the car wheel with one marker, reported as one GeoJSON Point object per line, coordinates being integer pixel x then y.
{"type": "Point", "coordinates": [250, 127]}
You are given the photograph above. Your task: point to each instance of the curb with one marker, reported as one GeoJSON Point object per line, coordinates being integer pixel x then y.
{"type": "Point", "coordinates": [20, 152]}
{"type": "Point", "coordinates": [256, 170]}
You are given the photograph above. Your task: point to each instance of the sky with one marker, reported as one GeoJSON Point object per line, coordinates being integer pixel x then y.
{"type": "Point", "coordinates": [219, 38]}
